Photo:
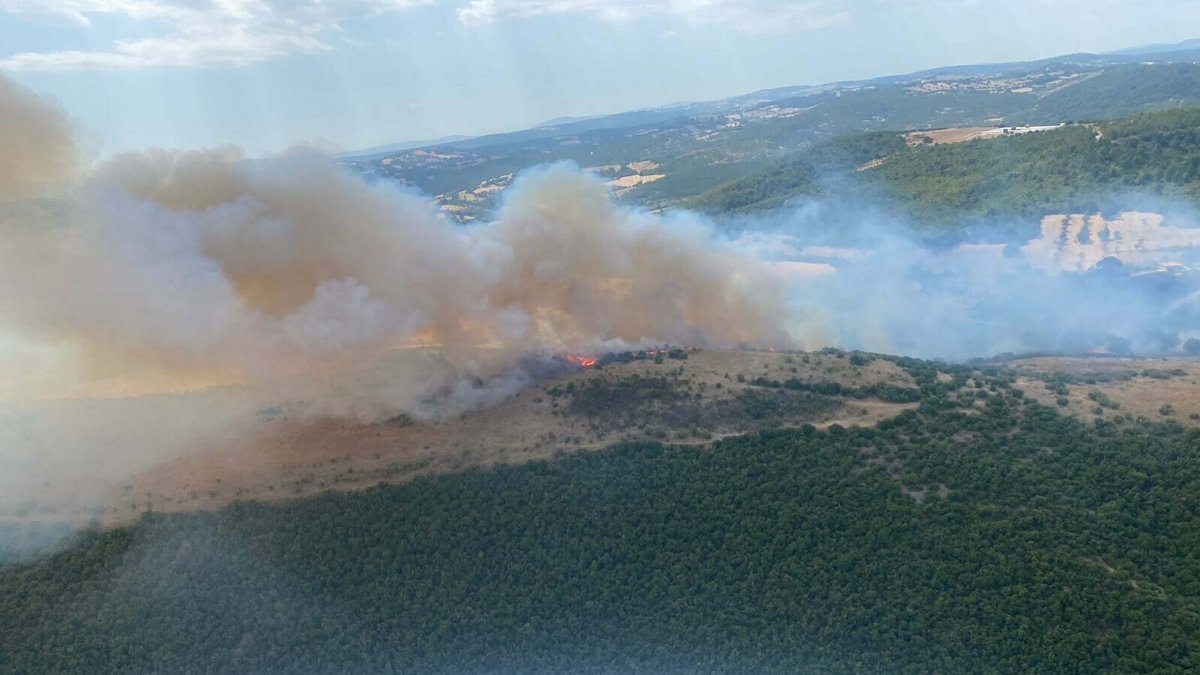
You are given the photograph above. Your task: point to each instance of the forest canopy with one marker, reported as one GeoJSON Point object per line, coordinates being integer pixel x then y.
{"type": "Point", "coordinates": [1143, 161]}
{"type": "Point", "coordinates": [979, 532]}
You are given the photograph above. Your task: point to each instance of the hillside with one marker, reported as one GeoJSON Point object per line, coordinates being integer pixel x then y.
{"type": "Point", "coordinates": [982, 531]}
{"type": "Point", "coordinates": [1131, 162]}
{"type": "Point", "coordinates": [889, 376]}
{"type": "Point", "coordinates": [693, 148]}
{"type": "Point", "coordinates": [685, 396]}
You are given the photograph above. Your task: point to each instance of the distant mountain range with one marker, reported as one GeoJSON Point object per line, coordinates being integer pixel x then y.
{"type": "Point", "coordinates": [1194, 43]}
{"type": "Point", "coordinates": [661, 157]}
{"type": "Point", "coordinates": [397, 147]}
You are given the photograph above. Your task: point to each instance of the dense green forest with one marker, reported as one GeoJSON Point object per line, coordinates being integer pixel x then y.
{"type": "Point", "coordinates": [979, 532]}
{"type": "Point", "coordinates": [1122, 90]}
{"type": "Point", "coordinates": [1132, 162]}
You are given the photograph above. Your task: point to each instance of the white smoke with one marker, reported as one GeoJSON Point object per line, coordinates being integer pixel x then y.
{"type": "Point", "coordinates": [870, 283]}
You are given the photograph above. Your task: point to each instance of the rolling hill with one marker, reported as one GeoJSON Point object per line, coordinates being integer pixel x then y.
{"type": "Point", "coordinates": [687, 396]}
{"type": "Point", "coordinates": [1141, 161]}
{"type": "Point", "coordinates": [665, 155]}
{"type": "Point", "coordinates": [986, 529]}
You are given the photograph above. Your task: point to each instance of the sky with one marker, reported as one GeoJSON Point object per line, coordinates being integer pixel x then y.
{"type": "Point", "coordinates": [351, 74]}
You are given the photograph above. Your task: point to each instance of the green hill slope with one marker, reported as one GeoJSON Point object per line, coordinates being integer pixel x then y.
{"type": "Point", "coordinates": [1125, 163]}
{"type": "Point", "coordinates": [1120, 90]}
{"type": "Point", "coordinates": [983, 532]}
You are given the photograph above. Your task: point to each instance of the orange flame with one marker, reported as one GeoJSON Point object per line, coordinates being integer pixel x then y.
{"type": "Point", "coordinates": [581, 361]}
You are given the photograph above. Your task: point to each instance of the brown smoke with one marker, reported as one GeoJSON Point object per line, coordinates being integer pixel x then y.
{"type": "Point", "coordinates": [37, 143]}
{"type": "Point", "coordinates": [294, 280]}
{"type": "Point", "coordinates": [205, 260]}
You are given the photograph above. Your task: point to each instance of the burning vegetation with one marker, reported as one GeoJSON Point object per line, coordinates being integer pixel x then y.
{"type": "Point", "coordinates": [628, 356]}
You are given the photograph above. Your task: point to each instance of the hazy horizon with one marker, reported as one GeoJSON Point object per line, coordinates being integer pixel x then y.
{"type": "Point", "coordinates": [362, 73]}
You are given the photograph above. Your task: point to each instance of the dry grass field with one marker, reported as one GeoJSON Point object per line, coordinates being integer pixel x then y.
{"type": "Point", "coordinates": [293, 457]}
{"type": "Point", "coordinates": [1106, 386]}
{"type": "Point", "coordinates": [944, 136]}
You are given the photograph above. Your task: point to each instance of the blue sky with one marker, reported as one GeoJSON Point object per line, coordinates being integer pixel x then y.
{"type": "Point", "coordinates": [266, 74]}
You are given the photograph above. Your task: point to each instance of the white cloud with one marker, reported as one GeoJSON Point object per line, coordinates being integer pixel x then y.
{"type": "Point", "coordinates": [199, 32]}
{"type": "Point", "coordinates": [755, 16]}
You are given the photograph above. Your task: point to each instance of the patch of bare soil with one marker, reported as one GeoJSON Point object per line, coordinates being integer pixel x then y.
{"type": "Point", "coordinates": [946, 136]}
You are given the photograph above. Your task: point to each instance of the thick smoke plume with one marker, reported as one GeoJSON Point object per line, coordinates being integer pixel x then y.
{"type": "Point", "coordinates": [37, 143]}
{"type": "Point", "coordinates": [290, 280]}
{"type": "Point", "coordinates": [204, 260]}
